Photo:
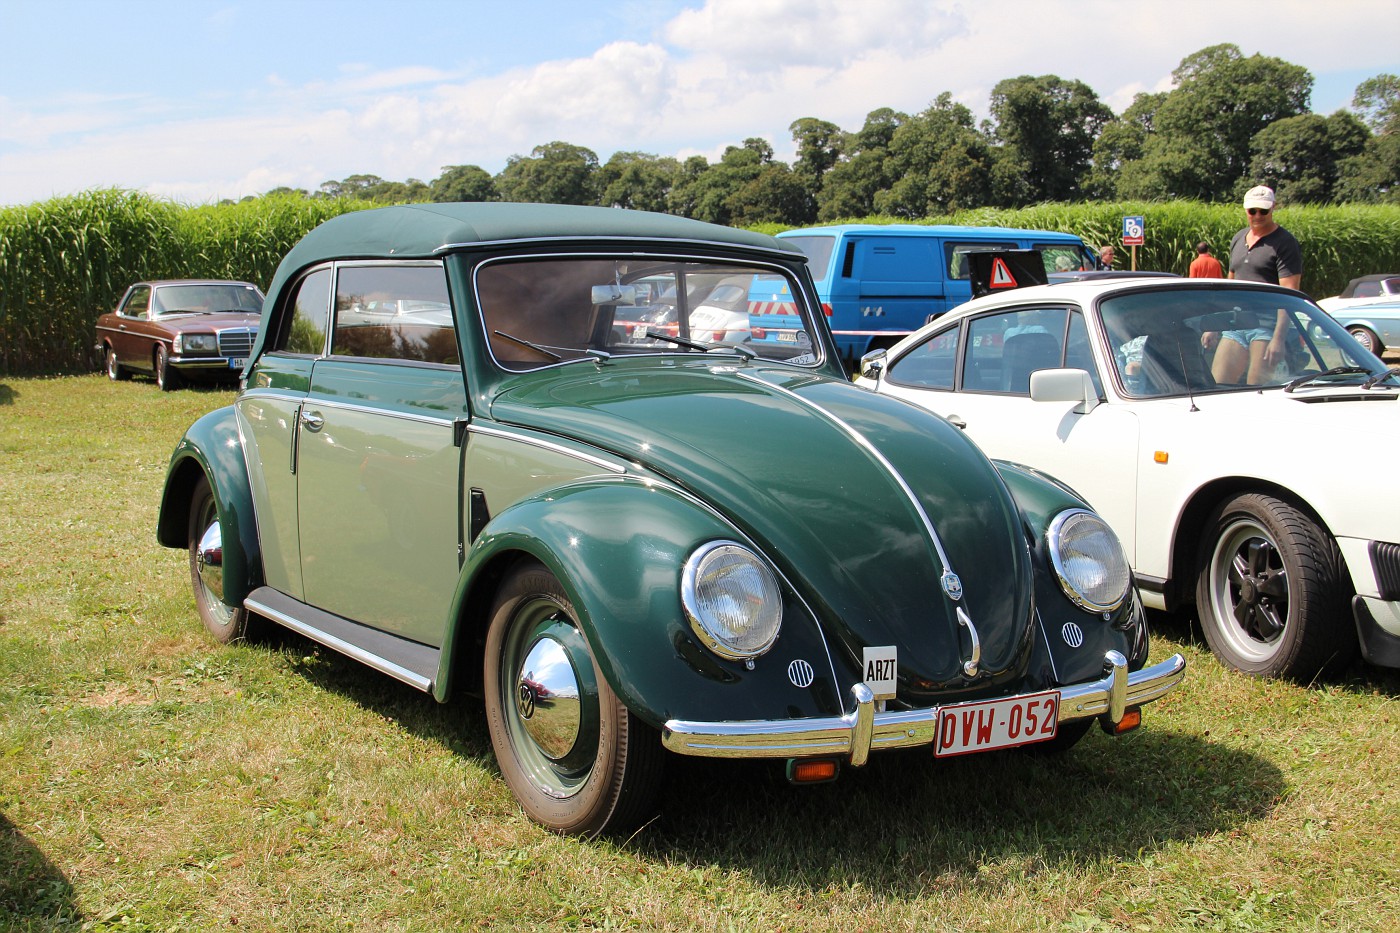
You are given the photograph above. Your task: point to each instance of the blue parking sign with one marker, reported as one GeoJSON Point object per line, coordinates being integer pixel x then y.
{"type": "Point", "coordinates": [1133, 228]}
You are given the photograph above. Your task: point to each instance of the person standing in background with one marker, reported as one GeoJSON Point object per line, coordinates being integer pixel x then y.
{"type": "Point", "coordinates": [1106, 258]}
{"type": "Point", "coordinates": [1261, 252]}
{"type": "Point", "coordinates": [1205, 266]}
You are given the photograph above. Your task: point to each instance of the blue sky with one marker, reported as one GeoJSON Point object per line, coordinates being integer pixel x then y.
{"type": "Point", "coordinates": [208, 99]}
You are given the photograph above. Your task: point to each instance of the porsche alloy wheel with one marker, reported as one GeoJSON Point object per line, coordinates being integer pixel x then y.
{"type": "Point", "coordinates": [1269, 595]}
{"type": "Point", "coordinates": [576, 759]}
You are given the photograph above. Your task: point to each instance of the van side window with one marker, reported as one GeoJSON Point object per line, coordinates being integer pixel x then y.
{"type": "Point", "coordinates": [956, 255]}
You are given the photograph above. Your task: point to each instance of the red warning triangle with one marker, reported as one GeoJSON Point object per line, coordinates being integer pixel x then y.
{"type": "Point", "coordinates": [1001, 275]}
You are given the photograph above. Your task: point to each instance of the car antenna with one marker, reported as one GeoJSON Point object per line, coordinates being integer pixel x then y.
{"type": "Point", "coordinates": [1185, 373]}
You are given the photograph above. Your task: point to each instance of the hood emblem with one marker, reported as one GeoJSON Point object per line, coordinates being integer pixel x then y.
{"type": "Point", "coordinates": [1072, 634]}
{"type": "Point", "coordinates": [800, 673]}
{"type": "Point", "coordinates": [952, 585]}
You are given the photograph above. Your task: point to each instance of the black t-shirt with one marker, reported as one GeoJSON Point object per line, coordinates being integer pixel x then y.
{"type": "Point", "coordinates": [1274, 256]}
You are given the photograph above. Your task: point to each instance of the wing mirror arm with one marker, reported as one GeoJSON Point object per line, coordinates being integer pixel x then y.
{"type": "Point", "coordinates": [1065, 385]}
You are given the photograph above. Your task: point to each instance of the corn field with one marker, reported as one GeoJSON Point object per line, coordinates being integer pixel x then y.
{"type": "Point", "coordinates": [65, 261]}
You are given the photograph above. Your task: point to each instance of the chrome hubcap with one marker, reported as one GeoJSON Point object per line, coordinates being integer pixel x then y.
{"type": "Point", "coordinates": [547, 698]}
{"type": "Point", "coordinates": [209, 560]}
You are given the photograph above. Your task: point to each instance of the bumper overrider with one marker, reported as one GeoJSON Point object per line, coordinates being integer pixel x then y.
{"type": "Point", "coordinates": [864, 729]}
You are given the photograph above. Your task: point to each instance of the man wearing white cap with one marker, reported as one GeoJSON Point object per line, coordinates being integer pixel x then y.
{"type": "Point", "coordinates": [1261, 252]}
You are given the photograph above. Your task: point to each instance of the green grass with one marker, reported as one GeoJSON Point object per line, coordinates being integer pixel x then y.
{"type": "Point", "coordinates": [153, 780]}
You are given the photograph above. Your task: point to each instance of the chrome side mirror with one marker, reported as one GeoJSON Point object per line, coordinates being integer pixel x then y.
{"type": "Point", "coordinates": [873, 364]}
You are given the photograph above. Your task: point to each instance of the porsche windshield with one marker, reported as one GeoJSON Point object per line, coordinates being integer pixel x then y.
{"type": "Point", "coordinates": [538, 312]}
{"type": "Point", "coordinates": [1179, 340]}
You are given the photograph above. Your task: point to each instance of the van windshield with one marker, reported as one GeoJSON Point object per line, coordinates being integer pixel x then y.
{"type": "Point", "coordinates": [818, 250]}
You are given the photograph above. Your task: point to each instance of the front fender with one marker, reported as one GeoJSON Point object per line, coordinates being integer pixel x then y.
{"type": "Point", "coordinates": [211, 448]}
{"type": "Point", "coordinates": [617, 546]}
{"type": "Point", "coordinates": [1073, 641]}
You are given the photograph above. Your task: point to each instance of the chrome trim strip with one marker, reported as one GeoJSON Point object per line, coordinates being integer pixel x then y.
{"type": "Point", "coordinates": [344, 647]}
{"type": "Point", "coordinates": [312, 401]}
{"type": "Point", "coordinates": [874, 453]}
{"type": "Point", "coordinates": [1116, 691]}
{"type": "Point", "coordinates": [610, 465]}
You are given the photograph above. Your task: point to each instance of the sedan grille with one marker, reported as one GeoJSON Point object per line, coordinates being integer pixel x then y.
{"type": "Point", "coordinates": [237, 341]}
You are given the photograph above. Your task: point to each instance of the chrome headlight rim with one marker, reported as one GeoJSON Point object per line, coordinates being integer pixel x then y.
{"type": "Point", "coordinates": [704, 628]}
{"type": "Point", "coordinates": [1055, 538]}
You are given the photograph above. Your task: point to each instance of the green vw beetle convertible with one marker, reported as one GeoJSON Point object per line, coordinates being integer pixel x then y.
{"type": "Point", "coordinates": [462, 456]}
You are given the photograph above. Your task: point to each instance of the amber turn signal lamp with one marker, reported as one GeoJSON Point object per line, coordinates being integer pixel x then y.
{"type": "Point", "coordinates": [1132, 718]}
{"type": "Point", "coordinates": [813, 770]}
{"type": "Point", "coordinates": [1160, 456]}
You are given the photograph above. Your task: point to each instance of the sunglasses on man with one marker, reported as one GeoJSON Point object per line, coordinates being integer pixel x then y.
{"type": "Point", "coordinates": [1258, 211]}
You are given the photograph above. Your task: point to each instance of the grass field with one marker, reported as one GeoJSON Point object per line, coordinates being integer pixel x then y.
{"type": "Point", "coordinates": [153, 780]}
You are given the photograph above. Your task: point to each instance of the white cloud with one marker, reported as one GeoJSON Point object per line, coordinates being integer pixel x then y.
{"type": "Point", "coordinates": [711, 77]}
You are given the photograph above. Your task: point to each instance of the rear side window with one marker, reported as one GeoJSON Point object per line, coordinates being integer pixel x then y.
{"type": "Point", "coordinates": [956, 255]}
{"type": "Point", "coordinates": [930, 365]}
{"type": "Point", "coordinates": [818, 251]}
{"type": "Point", "coordinates": [311, 311]}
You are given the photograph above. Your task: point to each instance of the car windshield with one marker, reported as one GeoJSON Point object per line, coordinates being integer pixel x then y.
{"type": "Point", "coordinates": [208, 298]}
{"type": "Point", "coordinates": [1187, 340]}
{"type": "Point", "coordinates": [539, 312]}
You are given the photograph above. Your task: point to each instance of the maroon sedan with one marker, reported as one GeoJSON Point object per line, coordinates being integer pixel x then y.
{"type": "Point", "coordinates": [181, 329]}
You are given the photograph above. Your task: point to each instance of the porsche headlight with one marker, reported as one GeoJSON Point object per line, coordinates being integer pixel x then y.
{"type": "Point", "coordinates": [732, 600]}
{"type": "Point", "coordinates": [1088, 560]}
{"type": "Point", "coordinates": [196, 343]}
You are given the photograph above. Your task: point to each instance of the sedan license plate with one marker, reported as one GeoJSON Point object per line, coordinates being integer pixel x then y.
{"type": "Point", "coordinates": [990, 724]}
{"type": "Point", "coordinates": [237, 362]}
{"type": "Point", "coordinates": [787, 336]}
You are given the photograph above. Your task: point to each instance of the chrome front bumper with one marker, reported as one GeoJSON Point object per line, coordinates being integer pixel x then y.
{"type": "Point", "coordinates": [863, 730]}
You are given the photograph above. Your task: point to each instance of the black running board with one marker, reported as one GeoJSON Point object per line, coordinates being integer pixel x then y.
{"type": "Point", "coordinates": [413, 663]}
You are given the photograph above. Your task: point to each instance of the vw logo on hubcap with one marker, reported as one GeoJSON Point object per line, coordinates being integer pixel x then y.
{"type": "Point", "coordinates": [525, 701]}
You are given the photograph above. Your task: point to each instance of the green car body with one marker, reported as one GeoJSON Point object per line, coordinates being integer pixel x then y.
{"type": "Point", "coordinates": [445, 461]}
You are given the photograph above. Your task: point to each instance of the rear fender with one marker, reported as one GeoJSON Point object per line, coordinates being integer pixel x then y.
{"type": "Point", "coordinates": [618, 546]}
{"type": "Point", "coordinates": [211, 448]}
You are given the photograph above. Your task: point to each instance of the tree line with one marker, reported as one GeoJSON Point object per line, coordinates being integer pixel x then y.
{"type": "Point", "coordinates": [1228, 123]}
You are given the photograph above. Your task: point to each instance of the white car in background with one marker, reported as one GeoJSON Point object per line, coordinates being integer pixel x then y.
{"type": "Point", "coordinates": [1364, 289]}
{"type": "Point", "coordinates": [1237, 493]}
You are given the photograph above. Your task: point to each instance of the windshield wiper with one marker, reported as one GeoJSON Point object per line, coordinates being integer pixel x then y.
{"type": "Point", "coordinates": [1380, 377]}
{"type": "Point", "coordinates": [533, 346]}
{"type": "Point", "coordinates": [743, 351]}
{"type": "Point", "coordinates": [1334, 371]}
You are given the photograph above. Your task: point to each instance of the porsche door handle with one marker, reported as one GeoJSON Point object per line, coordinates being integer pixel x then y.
{"type": "Point", "coordinates": [957, 422]}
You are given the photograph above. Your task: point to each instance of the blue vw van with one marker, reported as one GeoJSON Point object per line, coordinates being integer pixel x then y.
{"type": "Point", "coordinates": [878, 282]}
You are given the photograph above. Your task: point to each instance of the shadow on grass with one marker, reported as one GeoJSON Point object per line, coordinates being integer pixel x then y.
{"type": "Point", "coordinates": [7, 394]}
{"type": "Point", "coordinates": [33, 893]}
{"type": "Point", "coordinates": [904, 819]}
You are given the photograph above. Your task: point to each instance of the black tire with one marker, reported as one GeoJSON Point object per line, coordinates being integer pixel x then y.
{"type": "Point", "coordinates": [226, 623]}
{"type": "Point", "coordinates": [1367, 338]}
{"type": "Point", "coordinates": [166, 377]}
{"type": "Point", "coordinates": [578, 765]}
{"type": "Point", "coordinates": [1270, 593]}
{"type": "Point", "coordinates": [115, 371]}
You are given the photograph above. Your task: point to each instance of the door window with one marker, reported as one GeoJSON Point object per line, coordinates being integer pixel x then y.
{"type": "Point", "coordinates": [931, 365]}
{"type": "Point", "coordinates": [394, 312]}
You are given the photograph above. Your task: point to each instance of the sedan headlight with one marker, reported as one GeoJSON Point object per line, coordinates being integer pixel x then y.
{"type": "Point", "coordinates": [732, 600]}
{"type": "Point", "coordinates": [1088, 560]}
{"type": "Point", "coordinates": [196, 343]}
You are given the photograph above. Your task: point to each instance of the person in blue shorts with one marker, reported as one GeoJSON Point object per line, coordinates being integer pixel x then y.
{"type": "Point", "coordinates": [1261, 252]}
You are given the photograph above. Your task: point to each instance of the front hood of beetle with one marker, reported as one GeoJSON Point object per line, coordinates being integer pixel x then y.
{"type": "Point", "coordinates": [833, 483]}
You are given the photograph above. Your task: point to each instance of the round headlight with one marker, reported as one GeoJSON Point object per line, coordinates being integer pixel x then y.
{"type": "Point", "coordinates": [732, 600]}
{"type": "Point", "coordinates": [1088, 560]}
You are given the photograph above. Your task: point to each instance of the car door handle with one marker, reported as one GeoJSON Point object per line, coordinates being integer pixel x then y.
{"type": "Point", "coordinates": [312, 420]}
{"type": "Point", "coordinates": [957, 422]}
